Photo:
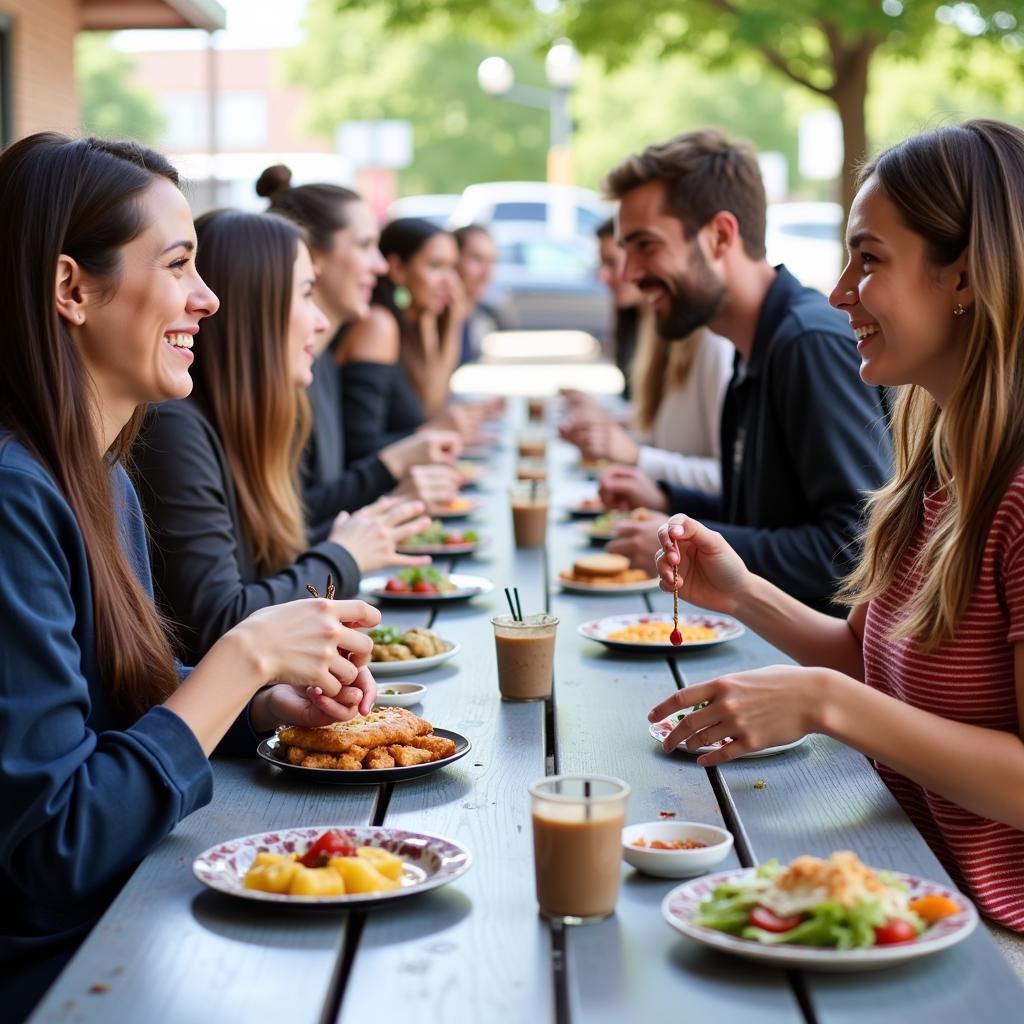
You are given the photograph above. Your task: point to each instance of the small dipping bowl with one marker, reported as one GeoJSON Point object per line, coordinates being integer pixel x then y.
{"type": "Point", "coordinates": [399, 695]}
{"type": "Point", "coordinates": [675, 863]}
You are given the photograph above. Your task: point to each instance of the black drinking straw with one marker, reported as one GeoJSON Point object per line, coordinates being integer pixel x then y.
{"type": "Point", "coordinates": [511, 606]}
{"type": "Point", "coordinates": [519, 607]}
{"type": "Point", "coordinates": [586, 798]}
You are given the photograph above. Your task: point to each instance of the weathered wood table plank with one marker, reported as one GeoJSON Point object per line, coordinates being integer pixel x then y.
{"type": "Point", "coordinates": [169, 950]}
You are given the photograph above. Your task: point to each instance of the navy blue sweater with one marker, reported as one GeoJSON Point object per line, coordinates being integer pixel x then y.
{"type": "Point", "coordinates": [84, 797]}
{"type": "Point", "coordinates": [803, 440]}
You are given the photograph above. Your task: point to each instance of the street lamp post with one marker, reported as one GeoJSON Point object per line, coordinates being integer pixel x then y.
{"type": "Point", "coordinates": [561, 68]}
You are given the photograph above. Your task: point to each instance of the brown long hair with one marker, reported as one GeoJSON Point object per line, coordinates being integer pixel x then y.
{"type": "Point", "coordinates": [243, 381]}
{"type": "Point", "coordinates": [959, 188]}
{"type": "Point", "coordinates": [659, 367]}
{"type": "Point", "coordinates": [79, 198]}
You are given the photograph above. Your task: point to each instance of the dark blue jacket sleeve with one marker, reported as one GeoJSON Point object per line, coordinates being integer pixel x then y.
{"type": "Point", "coordinates": [199, 562]}
{"type": "Point", "coordinates": [79, 806]}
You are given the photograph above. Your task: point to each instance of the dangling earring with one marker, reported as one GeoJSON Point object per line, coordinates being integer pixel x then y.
{"type": "Point", "coordinates": [958, 309]}
{"type": "Point", "coordinates": [402, 297]}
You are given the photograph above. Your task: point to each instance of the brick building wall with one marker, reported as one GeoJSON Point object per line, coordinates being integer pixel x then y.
{"type": "Point", "coordinates": [43, 65]}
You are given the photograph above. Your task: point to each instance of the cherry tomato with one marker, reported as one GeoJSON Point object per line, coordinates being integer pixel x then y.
{"type": "Point", "coordinates": [397, 586]}
{"type": "Point", "coordinates": [454, 538]}
{"type": "Point", "coordinates": [675, 638]}
{"type": "Point", "coordinates": [762, 917]}
{"type": "Point", "coordinates": [895, 930]}
{"type": "Point", "coordinates": [330, 844]}
{"type": "Point", "coordinates": [424, 587]}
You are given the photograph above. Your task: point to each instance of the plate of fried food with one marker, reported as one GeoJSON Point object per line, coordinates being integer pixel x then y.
{"type": "Point", "coordinates": [660, 730]}
{"type": "Point", "coordinates": [651, 631]}
{"type": "Point", "coordinates": [437, 539]}
{"type": "Point", "coordinates": [605, 574]}
{"type": "Point", "coordinates": [605, 526]}
{"type": "Point", "coordinates": [397, 653]}
{"type": "Point", "coordinates": [458, 508]}
{"type": "Point", "coordinates": [388, 745]}
{"type": "Point", "coordinates": [340, 867]}
{"type": "Point", "coordinates": [425, 583]}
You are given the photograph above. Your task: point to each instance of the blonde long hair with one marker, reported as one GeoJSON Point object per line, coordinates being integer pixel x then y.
{"type": "Point", "coordinates": [959, 188]}
{"type": "Point", "coordinates": [659, 367]}
{"type": "Point", "coordinates": [243, 382]}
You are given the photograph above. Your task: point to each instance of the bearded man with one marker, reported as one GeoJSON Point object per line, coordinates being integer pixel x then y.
{"type": "Point", "coordinates": [803, 438]}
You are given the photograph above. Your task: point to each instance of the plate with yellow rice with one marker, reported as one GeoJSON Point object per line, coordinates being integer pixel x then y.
{"type": "Point", "coordinates": [650, 631]}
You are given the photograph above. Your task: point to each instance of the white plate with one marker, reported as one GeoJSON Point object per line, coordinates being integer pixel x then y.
{"type": "Point", "coordinates": [404, 695]}
{"type": "Point", "coordinates": [608, 589]}
{"type": "Point", "coordinates": [464, 513]}
{"type": "Point", "coordinates": [465, 586]}
{"type": "Point", "coordinates": [442, 549]}
{"type": "Point", "coordinates": [725, 627]}
{"type": "Point", "coordinates": [680, 906]}
{"type": "Point", "coordinates": [659, 730]}
{"type": "Point", "coordinates": [431, 861]}
{"type": "Point", "coordinates": [380, 669]}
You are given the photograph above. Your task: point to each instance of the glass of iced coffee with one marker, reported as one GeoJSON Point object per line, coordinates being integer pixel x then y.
{"type": "Point", "coordinates": [526, 655]}
{"type": "Point", "coordinates": [577, 852]}
{"type": "Point", "coordinates": [535, 409]}
{"type": "Point", "coordinates": [530, 514]}
{"type": "Point", "coordinates": [531, 446]}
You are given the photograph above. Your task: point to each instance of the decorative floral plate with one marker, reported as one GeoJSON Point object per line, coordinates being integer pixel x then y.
{"type": "Point", "coordinates": [680, 906]}
{"type": "Point", "coordinates": [430, 862]}
{"type": "Point", "coordinates": [724, 627]}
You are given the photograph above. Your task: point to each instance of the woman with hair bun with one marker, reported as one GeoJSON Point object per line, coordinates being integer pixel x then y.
{"type": "Point", "coordinates": [342, 469]}
{"type": "Point", "coordinates": [104, 739]}
{"type": "Point", "coordinates": [926, 676]}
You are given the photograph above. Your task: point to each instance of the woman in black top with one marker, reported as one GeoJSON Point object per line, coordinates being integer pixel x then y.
{"type": "Point", "coordinates": [219, 470]}
{"type": "Point", "coordinates": [348, 462]}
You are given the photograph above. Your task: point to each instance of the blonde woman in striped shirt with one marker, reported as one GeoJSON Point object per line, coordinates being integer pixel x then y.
{"type": "Point", "coordinates": [935, 293]}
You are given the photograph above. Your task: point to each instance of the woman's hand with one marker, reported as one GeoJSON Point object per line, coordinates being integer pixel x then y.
{"type": "Point", "coordinates": [309, 643]}
{"type": "Point", "coordinates": [281, 704]}
{"type": "Point", "coordinates": [372, 535]}
{"type": "Point", "coordinates": [626, 487]}
{"type": "Point", "coordinates": [711, 574]}
{"type": "Point", "coordinates": [433, 485]}
{"type": "Point", "coordinates": [423, 447]}
{"type": "Point", "coordinates": [603, 439]}
{"type": "Point", "coordinates": [464, 418]}
{"type": "Point", "coordinates": [638, 540]}
{"type": "Point", "coordinates": [762, 708]}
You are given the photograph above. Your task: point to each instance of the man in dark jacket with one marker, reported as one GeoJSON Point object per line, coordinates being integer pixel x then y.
{"type": "Point", "coordinates": [803, 438]}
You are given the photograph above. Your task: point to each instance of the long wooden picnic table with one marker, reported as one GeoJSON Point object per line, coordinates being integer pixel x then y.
{"type": "Point", "coordinates": [170, 951]}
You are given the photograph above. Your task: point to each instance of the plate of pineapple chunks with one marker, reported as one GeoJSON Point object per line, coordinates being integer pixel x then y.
{"type": "Point", "coordinates": [334, 867]}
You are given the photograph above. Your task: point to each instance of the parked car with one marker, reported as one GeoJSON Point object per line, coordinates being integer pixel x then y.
{"type": "Point", "coordinates": [435, 208]}
{"type": "Point", "coordinates": [541, 283]}
{"type": "Point", "coordinates": [562, 212]}
{"type": "Point", "coordinates": [806, 237]}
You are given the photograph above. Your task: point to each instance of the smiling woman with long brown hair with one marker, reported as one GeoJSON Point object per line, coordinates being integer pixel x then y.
{"type": "Point", "coordinates": [933, 290]}
{"type": "Point", "coordinates": [103, 741]}
{"type": "Point", "coordinates": [218, 472]}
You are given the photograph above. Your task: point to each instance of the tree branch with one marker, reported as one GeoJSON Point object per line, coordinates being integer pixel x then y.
{"type": "Point", "coordinates": [771, 55]}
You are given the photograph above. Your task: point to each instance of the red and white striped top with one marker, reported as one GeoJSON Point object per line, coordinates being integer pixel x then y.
{"type": "Point", "coordinates": [970, 679]}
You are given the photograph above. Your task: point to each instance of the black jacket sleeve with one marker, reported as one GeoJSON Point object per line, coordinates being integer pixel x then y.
{"type": "Point", "coordinates": [362, 483]}
{"type": "Point", "coordinates": [203, 573]}
{"type": "Point", "coordinates": [832, 426]}
{"type": "Point", "coordinates": [380, 407]}
{"type": "Point", "coordinates": [698, 504]}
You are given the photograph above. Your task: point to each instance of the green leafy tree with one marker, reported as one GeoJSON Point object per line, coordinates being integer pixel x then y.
{"type": "Point", "coordinates": [113, 105]}
{"type": "Point", "coordinates": [824, 46]}
{"type": "Point", "coordinates": [355, 69]}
